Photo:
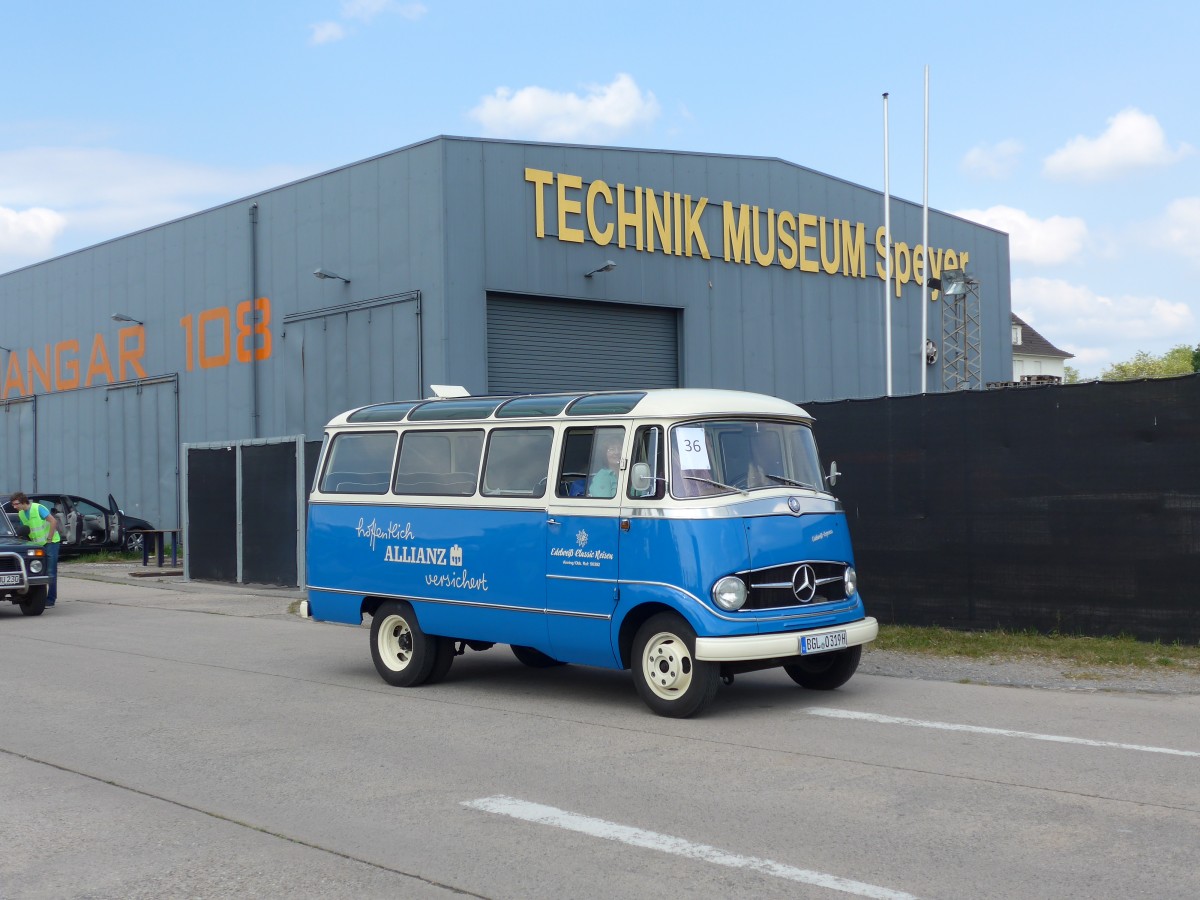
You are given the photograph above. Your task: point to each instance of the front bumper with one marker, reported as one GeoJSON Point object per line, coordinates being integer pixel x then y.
{"type": "Point", "coordinates": [14, 567]}
{"type": "Point", "coordinates": [746, 647]}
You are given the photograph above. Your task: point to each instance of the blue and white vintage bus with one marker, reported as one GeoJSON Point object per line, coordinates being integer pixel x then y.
{"type": "Point", "coordinates": [687, 535]}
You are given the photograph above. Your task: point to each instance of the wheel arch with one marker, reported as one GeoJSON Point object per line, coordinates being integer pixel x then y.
{"type": "Point", "coordinates": [641, 601]}
{"type": "Point", "coordinates": [370, 605]}
{"type": "Point", "coordinates": [632, 622]}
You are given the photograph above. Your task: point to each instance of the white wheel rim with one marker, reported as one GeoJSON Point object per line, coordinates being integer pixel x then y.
{"type": "Point", "coordinates": [395, 643]}
{"type": "Point", "coordinates": [667, 665]}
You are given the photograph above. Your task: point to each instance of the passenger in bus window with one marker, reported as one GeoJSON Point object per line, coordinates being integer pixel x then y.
{"type": "Point", "coordinates": [603, 482]}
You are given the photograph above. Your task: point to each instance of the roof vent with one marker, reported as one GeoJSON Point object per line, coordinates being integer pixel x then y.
{"type": "Point", "coordinates": [449, 390]}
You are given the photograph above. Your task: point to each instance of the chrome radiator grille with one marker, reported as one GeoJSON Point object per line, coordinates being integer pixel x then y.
{"type": "Point", "coordinates": [804, 583]}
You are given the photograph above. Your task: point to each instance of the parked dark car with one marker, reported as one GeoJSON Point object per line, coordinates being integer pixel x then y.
{"type": "Point", "coordinates": [23, 578]}
{"type": "Point", "coordinates": [88, 525]}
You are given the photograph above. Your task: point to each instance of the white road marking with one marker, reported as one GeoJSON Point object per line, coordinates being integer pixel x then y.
{"type": "Point", "coordinates": [1001, 732]}
{"type": "Point", "coordinates": [664, 843]}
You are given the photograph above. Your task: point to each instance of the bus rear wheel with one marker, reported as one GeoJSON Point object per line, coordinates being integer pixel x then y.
{"type": "Point", "coordinates": [669, 678]}
{"type": "Point", "coordinates": [404, 655]}
{"type": "Point", "coordinates": [825, 671]}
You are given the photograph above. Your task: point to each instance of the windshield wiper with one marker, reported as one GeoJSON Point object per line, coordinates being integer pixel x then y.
{"type": "Point", "coordinates": [720, 484]}
{"type": "Point", "coordinates": [785, 480]}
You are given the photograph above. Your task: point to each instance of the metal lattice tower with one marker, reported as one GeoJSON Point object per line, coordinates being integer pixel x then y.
{"type": "Point", "coordinates": [962, 336]}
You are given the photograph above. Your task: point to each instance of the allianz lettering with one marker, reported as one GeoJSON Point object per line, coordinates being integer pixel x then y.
{"type": "Point", "coordinates": [424, 556]}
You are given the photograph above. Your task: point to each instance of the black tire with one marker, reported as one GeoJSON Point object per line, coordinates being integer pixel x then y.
{"type": "Point", "coordinates": [445, 659]}
{"type": "Point", "coordinates": [535, 659]}
{"type": "Point", "coordinates": [404, 655]}
{"type": "Point", "coordinates": [825, 671]}
{"type": "Point", "coordinates": [669, 678]}
{"type": "Point", "coordinates": [34, 603]}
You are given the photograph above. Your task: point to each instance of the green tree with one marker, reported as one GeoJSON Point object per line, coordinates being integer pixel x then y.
{"type": "Point", "coordinates": [1070, 375]}
{"type": "Point", "coordinates": [1179, 360]}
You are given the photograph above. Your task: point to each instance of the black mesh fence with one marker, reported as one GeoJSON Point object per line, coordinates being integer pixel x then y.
{"type": "Point", "coordinates": [269, 513]}
{"type": "Point", "coordinates": [1073, 508]}
{"type": "Point", "coordinates": [212, 514]}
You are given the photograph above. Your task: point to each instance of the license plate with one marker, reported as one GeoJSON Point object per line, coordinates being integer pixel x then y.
{"type": "Point", "coordinates": [10, 579]}
{"type": "Point", "coordinates": [823, 643]}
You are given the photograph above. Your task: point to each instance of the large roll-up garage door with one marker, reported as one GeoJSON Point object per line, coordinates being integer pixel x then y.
{"type": "Point", "coordinates": [545, 345]}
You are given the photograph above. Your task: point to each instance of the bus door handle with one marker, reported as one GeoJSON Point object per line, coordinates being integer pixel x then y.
{"type": "Point", "coordinates": [553, 521]}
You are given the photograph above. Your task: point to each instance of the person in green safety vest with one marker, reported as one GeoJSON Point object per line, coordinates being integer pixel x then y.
{"type": "Point", "coordinates": [43, 531]}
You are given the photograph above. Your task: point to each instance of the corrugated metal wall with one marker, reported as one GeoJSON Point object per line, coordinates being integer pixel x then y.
{"type": "Point", "coordinates": [452, 219]}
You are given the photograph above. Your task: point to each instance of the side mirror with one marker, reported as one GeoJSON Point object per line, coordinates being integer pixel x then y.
{"type": "Point", "coordinates": [834, 474]}
{"type": "Point", "coordinates": [640, 478]}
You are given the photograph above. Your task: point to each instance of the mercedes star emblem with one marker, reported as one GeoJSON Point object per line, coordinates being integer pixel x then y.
{"type": "Point", "coordinates": [804, 583]}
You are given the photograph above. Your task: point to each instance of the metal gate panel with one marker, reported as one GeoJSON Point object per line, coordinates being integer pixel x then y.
{"type": "Point", "coordinates": [211, 532]}
{"type": "Point", "coordinates": [535, 344]}
{"type": "Point", "coordinates": [18, 446]}
{"type": "Point", "coordinates": [268, 482]}
{"type": "Point", "coordinates": [143, 450]}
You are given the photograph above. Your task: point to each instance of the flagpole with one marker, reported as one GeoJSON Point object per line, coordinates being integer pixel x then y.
{"type": "Point", "coordinates": [921, 361]}
{"type": "Point", "coordinates": [887, 243]}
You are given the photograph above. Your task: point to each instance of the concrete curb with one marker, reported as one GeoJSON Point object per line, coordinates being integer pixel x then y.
{"type": "Point", "coordinates": [130, 573]}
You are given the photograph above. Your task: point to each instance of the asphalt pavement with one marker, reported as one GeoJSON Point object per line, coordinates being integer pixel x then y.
{"type": "Point", "coordinates": [160, 738]}
{"type": "Point", "coordinates": [165, 587]}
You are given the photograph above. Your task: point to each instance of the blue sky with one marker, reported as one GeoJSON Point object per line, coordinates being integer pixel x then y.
{"type": "Point", "coordinates": [1072, 126]}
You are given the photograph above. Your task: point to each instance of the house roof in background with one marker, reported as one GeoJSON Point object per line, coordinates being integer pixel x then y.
{"type": "Point", "coordinates": [1033, 344]}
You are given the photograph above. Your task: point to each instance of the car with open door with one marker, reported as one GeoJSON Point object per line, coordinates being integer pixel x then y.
{"type": "Point", "coordinates": [86, 525]}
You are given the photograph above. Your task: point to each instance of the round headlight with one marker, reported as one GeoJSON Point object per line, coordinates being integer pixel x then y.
{"type": "Point", "coordinates": [851, 580]}
{"type": "Point", "coordinates": [35, 566]}
{"type": "Point", "coordinates": [729, 593]}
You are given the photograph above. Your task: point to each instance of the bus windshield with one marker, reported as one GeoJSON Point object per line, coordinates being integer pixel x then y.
{"type": "Point", "coordinates": [719, 457]}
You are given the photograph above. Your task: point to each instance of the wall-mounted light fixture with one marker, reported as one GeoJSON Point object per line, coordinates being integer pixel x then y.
{"type": "Point", "coordinates": [121, 317]}
{"type": "Point", "coordinates": [608, 266]}
{"type": "Point", "coordinates": [325, 273]}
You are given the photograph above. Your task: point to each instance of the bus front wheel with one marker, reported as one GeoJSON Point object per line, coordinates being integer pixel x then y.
{"type": "Point", "coordinates": [669, 678]}
{"type": "Point", "coordinates": [404, 655]}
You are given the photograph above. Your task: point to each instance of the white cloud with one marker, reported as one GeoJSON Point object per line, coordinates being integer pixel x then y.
{"type": "Point", "coordinates": [992, 160]}
{"type": "Point", "coordinates": [76, 196]}
{"type": "Point", "coordinates": [1133, 140]}
{"type": "Point", "coordinates": [603, 113]}
{"type": "Point", "coordinates": [30, 233]}
{"type": "Point", "coordinates": [1180, 228]}
{"type": "Point", "coordinates": [366, 10]}
{"type": "Point", "coordinates": [1042, 242]}
{"type": "Point", "coordinates": [325, 33]}
{"type": "Point", "coordinates": [1099, 330]}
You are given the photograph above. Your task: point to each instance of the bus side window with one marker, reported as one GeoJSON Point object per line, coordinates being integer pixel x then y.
{"type": "Point", "coordinates": [517, 462]}
{"type": "Point", "coordinates": [360, 463]}
{"type": "Point", "coordinates": [439, 462]}
{"type": "Point", "coordinates": [647, 453]}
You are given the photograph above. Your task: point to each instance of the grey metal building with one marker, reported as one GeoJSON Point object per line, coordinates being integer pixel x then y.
{"type": "Point", "coordinates": [474, 262]}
